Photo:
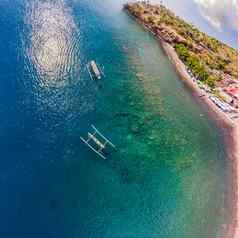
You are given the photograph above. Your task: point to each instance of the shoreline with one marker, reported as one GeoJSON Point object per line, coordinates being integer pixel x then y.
{"type": "Point", "coordinates": [227, 126]}
{"type": "Point", "coordinates": [229, 130]}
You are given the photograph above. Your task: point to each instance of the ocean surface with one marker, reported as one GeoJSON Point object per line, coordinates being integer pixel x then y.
{"type": "Point", "coordinates": [167, 178]}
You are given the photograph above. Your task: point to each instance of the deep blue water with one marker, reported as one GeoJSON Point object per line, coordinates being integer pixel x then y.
{"type": "Point", "coordinates": [167, 178]}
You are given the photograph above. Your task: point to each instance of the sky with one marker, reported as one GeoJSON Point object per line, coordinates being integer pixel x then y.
{"type": "Point", "coordinates": [218, 18]}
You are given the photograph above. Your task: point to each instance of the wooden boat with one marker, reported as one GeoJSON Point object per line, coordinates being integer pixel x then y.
{"type": "Point", "coordinates": [94, 70]}
{"type": "Point", "coordinates": [97, 142]}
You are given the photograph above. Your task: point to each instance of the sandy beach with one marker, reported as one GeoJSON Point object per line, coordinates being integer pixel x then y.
{"type": "Point", "coordinates": [228, 128]}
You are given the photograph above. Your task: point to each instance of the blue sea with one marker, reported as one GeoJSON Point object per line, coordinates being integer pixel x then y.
{"type": "Point", "coordinates": [167, 178]}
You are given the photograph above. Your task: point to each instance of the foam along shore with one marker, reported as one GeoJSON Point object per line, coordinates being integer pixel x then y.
{"type": "Point", "coordinates": [225, 117]}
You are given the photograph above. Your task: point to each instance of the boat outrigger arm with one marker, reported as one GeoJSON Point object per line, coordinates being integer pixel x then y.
{"type": "Point", "coordinates": [97, 142]}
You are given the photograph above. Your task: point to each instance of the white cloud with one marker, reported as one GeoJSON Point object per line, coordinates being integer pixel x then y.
{"type": "Point", "coordinates": [221, 14]}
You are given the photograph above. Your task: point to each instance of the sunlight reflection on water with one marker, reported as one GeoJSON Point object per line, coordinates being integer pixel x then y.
{"type": "Point", "coordinates": [51, 42]}
{"type": "Point", "coordinates": [52, 49]}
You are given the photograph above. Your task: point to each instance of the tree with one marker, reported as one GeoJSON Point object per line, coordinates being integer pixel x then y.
{"type": "Point", "coordinates": [182, 51]}
{"type": "Point", "coordinates": [211, 81]}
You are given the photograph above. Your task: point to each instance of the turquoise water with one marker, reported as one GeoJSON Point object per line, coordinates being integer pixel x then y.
{"type": "Point", "coordinates": [167, 177]}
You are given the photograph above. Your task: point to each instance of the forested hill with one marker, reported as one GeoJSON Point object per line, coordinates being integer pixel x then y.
{"type": "Point", "coordinates": [210, 60]}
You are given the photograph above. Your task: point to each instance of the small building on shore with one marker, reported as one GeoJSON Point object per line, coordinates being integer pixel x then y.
{"type": "Point", "coordinates": [225, 96]}
{"type": "Point", "coordinates": [232, 91]}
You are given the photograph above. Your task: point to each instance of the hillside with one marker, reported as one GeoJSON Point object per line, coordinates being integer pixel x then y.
{"type": "Point", "coordinates": [210, 60]}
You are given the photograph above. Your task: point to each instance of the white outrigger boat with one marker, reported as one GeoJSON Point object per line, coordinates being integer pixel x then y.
{"type": "Point", "coordinates": [94, 70]}
{"type": "Point", "coordinates": [97, 142]}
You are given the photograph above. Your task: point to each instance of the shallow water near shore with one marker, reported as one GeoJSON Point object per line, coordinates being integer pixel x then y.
{"type": "Point", "coordinates": [167, 177]}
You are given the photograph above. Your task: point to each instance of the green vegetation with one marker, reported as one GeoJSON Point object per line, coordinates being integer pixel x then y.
{"type": "Point", "coordinates": [182, 51]}
{"type": "Point", "coordinates": [194, 63]}
{"type": "Point", "coordinates": [205, 56]}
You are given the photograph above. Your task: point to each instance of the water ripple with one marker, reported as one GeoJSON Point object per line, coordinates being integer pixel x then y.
{"type": "Point", "coordinates": [54, 79]}
{"type": "Point", "coordinates": [52, 44]}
